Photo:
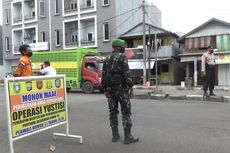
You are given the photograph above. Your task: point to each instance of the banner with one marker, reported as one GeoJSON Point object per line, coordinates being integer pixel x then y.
{"type": "Point", "coordinates": [36, 104]}
{"type": "Point", "coordinates": [223, 59]}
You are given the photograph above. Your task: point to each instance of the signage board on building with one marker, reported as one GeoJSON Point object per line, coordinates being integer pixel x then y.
{"type": "Point", "coordinates": [42, 46]}
{"type": "Point", "coordinates": [223, 59]}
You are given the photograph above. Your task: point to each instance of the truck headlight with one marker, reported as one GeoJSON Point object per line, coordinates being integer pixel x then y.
{"type": "Point", "coordinates": [99, 79]}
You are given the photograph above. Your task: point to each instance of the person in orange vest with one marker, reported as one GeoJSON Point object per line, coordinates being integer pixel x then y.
{"type": "Point", "coordinates": [24, 67]}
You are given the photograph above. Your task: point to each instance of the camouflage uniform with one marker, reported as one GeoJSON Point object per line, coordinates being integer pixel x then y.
{"type": "Point", "coordinates": [116, 81]}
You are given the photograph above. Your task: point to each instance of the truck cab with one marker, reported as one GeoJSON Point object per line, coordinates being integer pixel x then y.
{"type": "Point", "coordinates": [91, 73]}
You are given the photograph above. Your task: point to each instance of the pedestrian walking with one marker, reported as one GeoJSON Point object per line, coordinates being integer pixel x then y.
{"type": "Point", "coordinates": [47, 69]}
{"type": "Point", "coordinates": [117, 84]}
{"type": "Point", "coordinates": [208, 71]}
{"type": "Point", "coordinates": [24, 67]}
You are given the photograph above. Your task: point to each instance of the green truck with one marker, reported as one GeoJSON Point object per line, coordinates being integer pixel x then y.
{"type": "Point", "coordinates": [82, 67]}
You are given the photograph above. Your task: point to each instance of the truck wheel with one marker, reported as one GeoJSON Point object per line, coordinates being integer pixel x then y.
{"type": "Point", "coordinates": [87, 87]}
{"type": "Point", "coordinates": [68, 89]}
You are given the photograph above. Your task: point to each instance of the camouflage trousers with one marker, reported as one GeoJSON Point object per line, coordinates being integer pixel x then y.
{"type": "Point", "coordinates": [119, 95]}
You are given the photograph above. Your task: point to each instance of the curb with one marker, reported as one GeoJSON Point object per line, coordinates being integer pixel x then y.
{"type": "Point", "coordinates": [152, 96]}
{"type": "Point", "coordinates": [194, 97]}
{"type": "Point", "coordinates": [226, 99]}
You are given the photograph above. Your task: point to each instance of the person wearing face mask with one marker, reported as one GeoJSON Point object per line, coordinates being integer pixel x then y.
{"type": "Point", "coordinates": [118, 87]}
{"type": "Point", "coordinates": [24, 67]}
{"type": "Point", "coordinates": [208, 71]}
{"type": "Point", "coordinates": [47, 69]}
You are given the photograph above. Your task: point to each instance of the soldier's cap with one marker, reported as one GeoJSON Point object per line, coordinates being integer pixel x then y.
{"type": "Point", "coordinates": [118, 42]}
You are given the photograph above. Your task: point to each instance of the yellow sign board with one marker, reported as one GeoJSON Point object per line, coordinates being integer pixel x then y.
{"type": "Point", "coordinates": [36, 104]}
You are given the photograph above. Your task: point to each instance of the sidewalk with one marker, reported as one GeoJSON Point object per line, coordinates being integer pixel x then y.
{"type": "Point", "coordinates": [168, 92]}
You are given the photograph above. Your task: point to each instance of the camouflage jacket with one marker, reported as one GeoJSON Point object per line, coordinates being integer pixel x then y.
{"type": "Point", "coordinates": [116, 71]}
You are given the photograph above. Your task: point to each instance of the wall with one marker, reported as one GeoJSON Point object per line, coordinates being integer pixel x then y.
{"type": "Point", "coordinates": [1, 47]}
{"type": "Point", "coordinates": [103, 13]}
{"type": "Point", "coordinates": [128, 21]}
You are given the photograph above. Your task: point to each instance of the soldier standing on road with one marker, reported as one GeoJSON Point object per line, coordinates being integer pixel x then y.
{"type": "Point", "coordinates": [208, 71]}
{"type": "Point", "coordinates": [117, 84]}
{"type": "Point", "coordinates": [24, 67]}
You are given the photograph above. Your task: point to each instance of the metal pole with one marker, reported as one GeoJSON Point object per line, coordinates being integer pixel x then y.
{"type": "Point", "coordinates": [144, 45]}
{"type": "Point", "coordinates": [23, 25]}
{"type": "Point", "coordinates": [195, 72]}
{"type": "Point", "coordinates": [50, 24]}
{"type": "Point", "coordinates": [149, 65]}
{"type": "Point", "coordinates": [156, 53]}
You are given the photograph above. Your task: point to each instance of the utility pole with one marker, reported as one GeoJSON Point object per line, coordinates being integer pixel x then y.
{"type": "Point", "coordinates": [156, 53]}
{"type": "Point", "coordinates": [149, 61]}
{"type": "Point", "coordinates": [144, 44]}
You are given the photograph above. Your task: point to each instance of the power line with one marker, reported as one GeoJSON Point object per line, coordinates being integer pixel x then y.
{"type": "Point", "coordinates": [126, 20]}
{"type": "Point", "coordinates": [137, 8]}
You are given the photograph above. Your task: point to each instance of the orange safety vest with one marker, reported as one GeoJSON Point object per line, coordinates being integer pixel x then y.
{"type": "Point", "coordinates": [24, 67]}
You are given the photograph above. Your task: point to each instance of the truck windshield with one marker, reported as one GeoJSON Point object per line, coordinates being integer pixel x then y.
{"type": "Point", "coordinates": [100, 65]}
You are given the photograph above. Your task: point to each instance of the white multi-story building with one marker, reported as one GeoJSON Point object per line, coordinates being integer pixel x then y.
{"type": "Point", "coordinates": [68, 24]}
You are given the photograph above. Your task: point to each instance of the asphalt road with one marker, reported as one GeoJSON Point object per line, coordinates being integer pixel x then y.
{"type": "Point", "coordinates": [163, 127]}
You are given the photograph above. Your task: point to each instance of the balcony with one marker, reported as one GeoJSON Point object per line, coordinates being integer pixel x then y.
{"type": "Point", "coordinates": [70, 7]}
{"type": "Point", "coordinates": [71, 44]}
{"type": "Point", "coordinates": [88, 6]}
{"type": "Point", "coordinates": [71, 11]}
{"type": "Point", "coordinates": [166, 51]}
{"type": "Point", "coordinates": [29, 10]}
{"type": "Point", "coordinates": [87, 43]}
{"type": "Point", "coordinates": [29, 17]}
{"type": "Point", "coordinates": [17, 19]}
{"type": "Point", "coordinates": [17, 12]}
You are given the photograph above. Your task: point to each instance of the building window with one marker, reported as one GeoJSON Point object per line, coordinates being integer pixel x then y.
{"type": "Point", "coordinates": [7, 16]}
{"type": "Point", "coordinates": [57, 7]}
{"type": "Point", "coordinates": [42, 8]}
{"type": "Point", "coordinates": [106, 34]}
{"type": "Point", "coordinates": [43, 36]}
{"type": "Point", "coordinates": [74, 38]}
{"type": "Point", "coordinates": [88, 3]}
{"type": "Point", "coordinates": [90, 36]}
{"type": "Point", "coordinates": [57, 35]}
{"type": "Point", "coordinates": [7, 43]}
{"type": "Point", "coordinates": [105, 2]}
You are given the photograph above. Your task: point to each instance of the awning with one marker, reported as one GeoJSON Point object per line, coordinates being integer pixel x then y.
{"type": "Point", "coordinates": [190, 58]}
{"type": "Point", "coordinates": [140, 65]}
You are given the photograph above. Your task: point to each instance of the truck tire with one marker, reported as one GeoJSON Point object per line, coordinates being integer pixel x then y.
{"type": "Point", "coordinates": [87, 87]}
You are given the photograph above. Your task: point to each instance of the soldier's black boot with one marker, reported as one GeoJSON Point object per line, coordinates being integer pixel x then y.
{"type": "Point", "coordinates": [115, 133]}
{"type": "Point", "coordinates": [129, 138]}
{"type": "Point", "coordinates": [211, 93]}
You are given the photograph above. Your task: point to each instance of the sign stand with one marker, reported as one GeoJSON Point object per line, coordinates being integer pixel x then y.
{"type": "Point", "coordinates": [45, 125]}
{"type": "Point", "coordinates": [67, 126]}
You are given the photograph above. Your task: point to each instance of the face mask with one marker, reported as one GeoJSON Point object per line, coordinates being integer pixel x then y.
{"type": "Point", "coordinates": [29, 54]}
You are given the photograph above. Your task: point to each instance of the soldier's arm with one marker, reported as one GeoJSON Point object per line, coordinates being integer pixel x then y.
{"type": "Point", "coordinates": [103, 79]}
{"type": "Point", "coordinates": [126, 71]}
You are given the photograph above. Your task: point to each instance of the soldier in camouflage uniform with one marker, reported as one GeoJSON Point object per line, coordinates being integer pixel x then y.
{"type": "Point", "coordinates": [117, 83]}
